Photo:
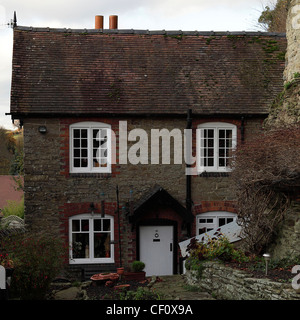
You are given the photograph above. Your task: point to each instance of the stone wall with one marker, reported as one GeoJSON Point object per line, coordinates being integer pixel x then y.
{"type": "Point", "coordinates": [226, 283]}
{"type": "Point", "coordinates": [51, 190]}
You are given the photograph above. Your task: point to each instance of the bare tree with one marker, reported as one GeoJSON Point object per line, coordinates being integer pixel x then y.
{"type": "Point", "coordinates": [265, 171]}
{"type": "Point", "coordinates": [273, 17]}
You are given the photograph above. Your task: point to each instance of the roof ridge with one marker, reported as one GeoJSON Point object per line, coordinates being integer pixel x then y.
{"type": "Point", "coordinates": [150, 32]}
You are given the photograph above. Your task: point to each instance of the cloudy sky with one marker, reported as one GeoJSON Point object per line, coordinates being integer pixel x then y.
{"type": "Point", "coordinates": [187, 15]}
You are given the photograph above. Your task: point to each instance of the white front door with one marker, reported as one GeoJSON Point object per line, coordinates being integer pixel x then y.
{"type": "Point", "coordinates": [156, 249]}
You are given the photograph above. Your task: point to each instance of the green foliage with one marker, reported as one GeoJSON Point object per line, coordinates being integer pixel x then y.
{"type": "Point", "coordinates": [140, 294]}
{"type": "Point", "coordinates": [15, 208]}
{"type": "Point", "coordinates": [17, 164]}
{"type": "Point", "coordinates": [37, 260]}
{"type": "Point", "coordinates": [218, 248]}
{"type": "Point", "coordinates": [138, 266]}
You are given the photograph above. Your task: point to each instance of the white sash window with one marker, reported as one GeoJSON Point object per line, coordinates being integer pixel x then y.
{"type": "Point", "coordinates": [91, 238]}
{"type": "Point", "coordinates": [216, 142]}
{"type": "Point", "coordinates": [90, 147]}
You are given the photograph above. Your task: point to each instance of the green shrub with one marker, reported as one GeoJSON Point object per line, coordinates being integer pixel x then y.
{"type": "Point", "coordinates": [37, 260]}
{"type": "Point", "coordinates": [215, 248]}
{"type": "Point", "coordinates": [138, 266]}
{"type": "Point", "coordinates": [15, 208]}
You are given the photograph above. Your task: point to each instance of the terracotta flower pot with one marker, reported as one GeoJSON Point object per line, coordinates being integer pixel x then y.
{"type": "Point", "coordinates": [120, 271]}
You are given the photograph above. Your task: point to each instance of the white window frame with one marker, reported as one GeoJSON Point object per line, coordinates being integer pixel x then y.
{"type": "Point", "coordinates": [215, 216]}
{"type": "Point", "coordinates": [91, 259]}
{"type": "Point", "coordinates": [216, 127]}
{"type": "Point", "coordinates": [89, 126]}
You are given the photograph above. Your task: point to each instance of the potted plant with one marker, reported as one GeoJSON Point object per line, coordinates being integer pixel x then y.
{"type": "Point", "coordinates": [137, 271]}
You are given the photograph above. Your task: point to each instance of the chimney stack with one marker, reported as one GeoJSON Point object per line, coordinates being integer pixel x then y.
{"type": "Point", "coordinates": [98, 22]}
{"type": "Point", "coordinates": [113, 22]}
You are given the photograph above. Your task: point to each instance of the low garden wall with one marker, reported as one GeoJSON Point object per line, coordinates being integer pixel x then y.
{"type": "Point", "coordinates": [232, 284]}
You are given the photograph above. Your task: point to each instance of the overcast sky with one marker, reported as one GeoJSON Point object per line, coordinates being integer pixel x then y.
{"type": "Point", "coordinates": [187, 15]}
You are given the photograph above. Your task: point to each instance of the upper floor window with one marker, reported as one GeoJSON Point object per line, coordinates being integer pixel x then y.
{"type": "Point", "coordinates": [90, 147]}
{"type": "Point", "coordinates": [216, 142]}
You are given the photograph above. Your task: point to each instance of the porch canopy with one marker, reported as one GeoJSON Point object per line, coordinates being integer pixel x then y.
{"type": "Point", "coordinates": [158, 197]}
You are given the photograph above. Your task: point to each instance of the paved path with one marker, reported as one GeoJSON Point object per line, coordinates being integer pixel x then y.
{"type": "Point", "coordinates": [175, 288]}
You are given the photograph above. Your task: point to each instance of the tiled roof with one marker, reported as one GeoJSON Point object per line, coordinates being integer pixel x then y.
{"type": "Point", "coordinates": [65, 71]}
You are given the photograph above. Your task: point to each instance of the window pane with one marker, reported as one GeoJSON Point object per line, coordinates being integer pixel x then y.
{"type": "Point", "coordinates": [76, 133]}
{"type": "Point", "coordinates": [211, 162]}
{"type": "Point", "coordinates": [221, 134]}
{"type": "Point", "coordinates": [210, 133]}
{"type": "Point", "coordinates": [84, 163]}
{"type": "Point", "coordinates": [228, 143]}
{"type": "Point", "coordinates": [229, 134]}
{"type": "Point", "coordinates": [84, 143]}
{"type": "Point", "coordinates": [106, 224]}
{"type": "Point", "coordinates": [222, 162]}
{"type": "Point", "coordinates": [202, 220]}
{"type": "Point", "coordinates": [101, 245]}
{"type": "Point", "coordinates": [221, 222]}
{"type": "Point", "coordinates": [76, 143]}
{"type": "Point", "coordinates": [221, 152]}
{"type": "Point", "coordinates": [95, 163]}
{"type": "Point", "coordinates": [201, 230]}
{"type": "Point", "coordinates": [84, 225]}
{"type": "Point", "coordinates": [76, 163]}
{"type": "Point", "coordinates": [76, 153]}
{"type": "Point", "coordinates": [97, 225]}
{"type": "Point", "coordinates": [210, 143]}
{"type": "Point", "coordinates": [229, 220]}
{"type": "Point", "coordinates": [210, 220]}
{"type": "Point", "coordinates": [80, 245]}
{"type": "Point", "coordinates": [210, 152]}
{"type": "Point", "coordinates": [75, 225]}
{"type": "Point", "coordinates": [84, 133]}
{"type": "Point", "coordinates": [84, 153]}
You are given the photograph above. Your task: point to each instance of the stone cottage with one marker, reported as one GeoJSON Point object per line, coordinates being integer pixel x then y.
{"type": "Point", "coordinates": [95, 104]}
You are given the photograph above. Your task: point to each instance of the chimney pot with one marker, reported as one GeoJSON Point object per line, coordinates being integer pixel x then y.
{"type": "Point", "coordinates": [113, 22]}
{"type": "Point", "coordinates": [98, 22]}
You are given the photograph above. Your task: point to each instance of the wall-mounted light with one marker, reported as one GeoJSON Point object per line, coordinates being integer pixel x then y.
{"type": "Point", "coordinates": [42, 129]}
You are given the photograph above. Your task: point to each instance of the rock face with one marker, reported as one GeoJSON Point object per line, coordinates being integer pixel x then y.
{"type": "Point", "coordinates": [285, 110]}
{"type": "Point", "coordinates": [293, 38]}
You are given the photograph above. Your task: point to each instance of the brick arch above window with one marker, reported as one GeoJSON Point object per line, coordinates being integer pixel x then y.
{"type": "Point", "coordinates": [212, 214]}
{"type": "Point", "coordinates": [207, 206]}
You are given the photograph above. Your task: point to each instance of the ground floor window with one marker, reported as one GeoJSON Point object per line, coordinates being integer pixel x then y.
{"type": "Point", "coordinates": [208, 221]}
{"type": "Point", "coordinates": [90, 238]}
